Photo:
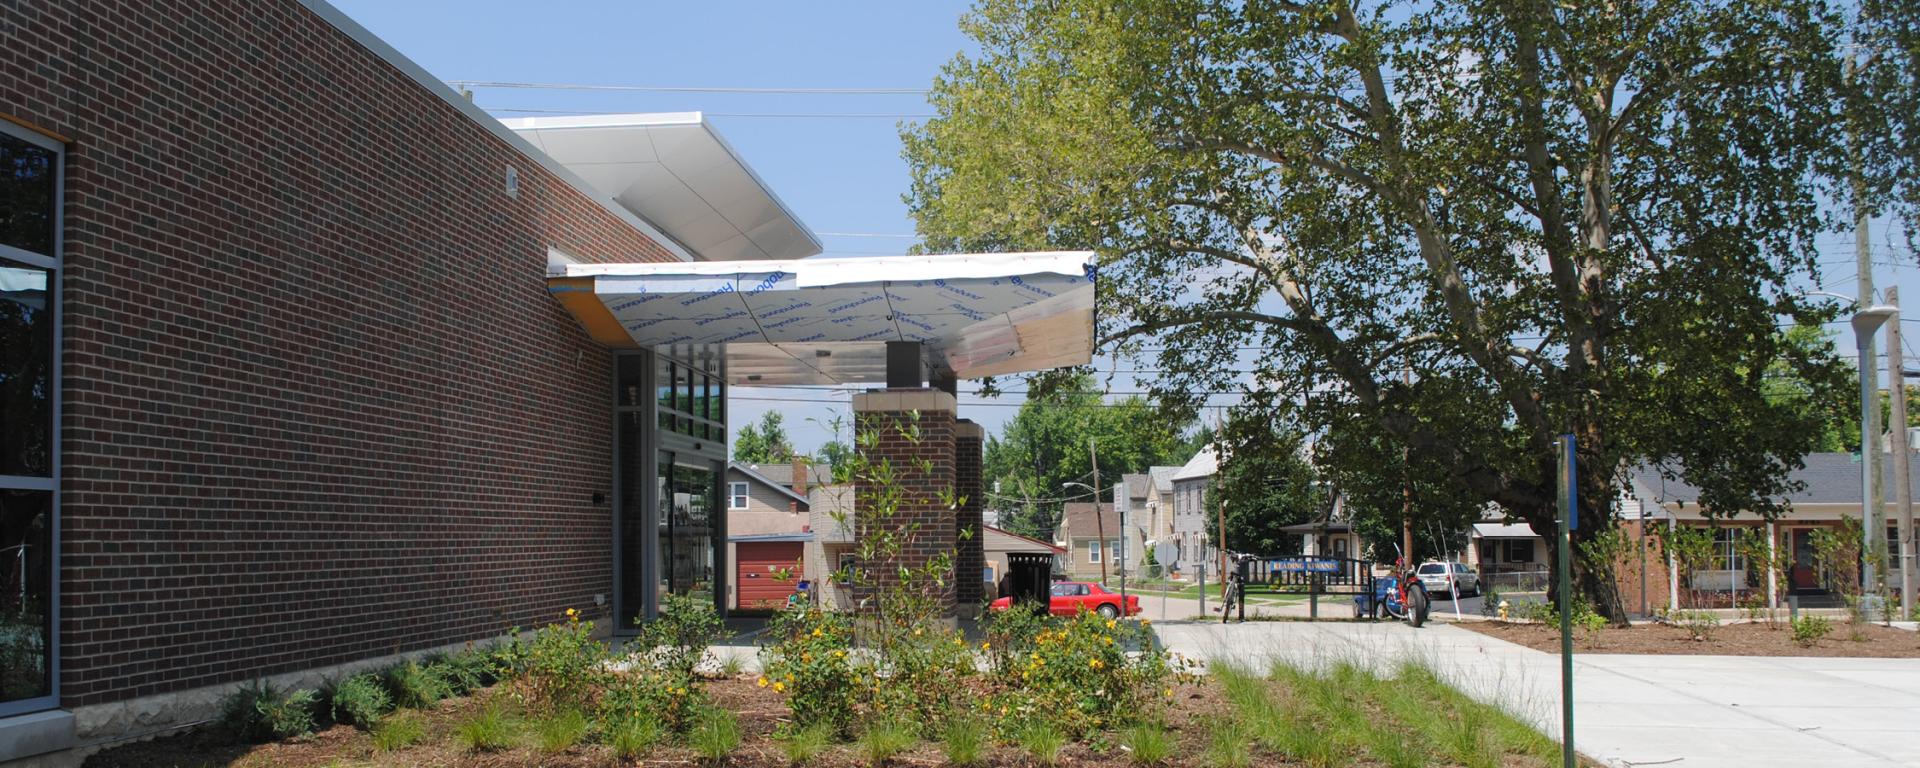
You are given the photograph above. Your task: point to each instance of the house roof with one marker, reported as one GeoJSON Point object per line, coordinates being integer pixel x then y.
{"type": "Point", "coordinates": [1316, 527]}
{"type": "Point", "coordinates": [1829, 478]}
{"type": "Point", "coordinates": [1202, 465]}
{"type": "Point", "coordinates": [1138, 486]}
{"type": "Point", "coordinates": [783, 473]}
{"type": "Point", "coordinates": [1162, 478]}
{"type": "Point", "coordinates": [752, 473]}
{"type": "Point", "coordinates": [1503, 531]}
{"type": "Point", "coordinates": [1013, 542]}
{"type": "Point", "coordinates": [1077, 519]}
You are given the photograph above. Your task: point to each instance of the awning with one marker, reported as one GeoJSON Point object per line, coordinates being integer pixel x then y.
{"type": "Point", "coordinates": [1503, 531]}
{"type": "Point", "coordinates": [827, 321]}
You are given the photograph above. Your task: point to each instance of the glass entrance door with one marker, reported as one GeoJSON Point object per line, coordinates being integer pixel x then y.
{"type": "Point", "coordinates": [689, 507]}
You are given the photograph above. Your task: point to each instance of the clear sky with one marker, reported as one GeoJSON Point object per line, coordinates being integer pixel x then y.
{"type": "Point", "coordinates": [838, 167]}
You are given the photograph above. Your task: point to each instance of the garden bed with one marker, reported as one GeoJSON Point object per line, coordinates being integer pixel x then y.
{"type": "Point", "coordinates": [1741, 639]}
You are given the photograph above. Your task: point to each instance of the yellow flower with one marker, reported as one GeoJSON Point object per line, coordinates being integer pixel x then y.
{"type": "Point", "coordinates": [916, 631]}
{"type": "Point", "coordinates": [1146, 622]}
{"type": "Point", "coordinates": [1168, 693]}
{"type": "Point", "coordinates": [986, 646]}
{"type": "Point", "coordinates": [1096, 664]}
{"type": "Point", "coordinates": [1111, 623]}
{"type": "Point", "coordinates": [816, 632]}
{"type": "Point", "coordinates": [1109, 641]}
{"type": "Point", "coordinates": [762, 682]}
{"type": "Point", "coordinates": [779, 687]}
{"type": "Point", "coordinates": [806, 657]}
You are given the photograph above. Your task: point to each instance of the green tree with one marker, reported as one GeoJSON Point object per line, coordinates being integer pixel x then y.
{"type": "Point", "coordinates": [839, 456]}
{"type": "Point", "coordinates": [1453, 230]}
{"type": "Point", "coordinates": [1264, 483]}
{"type": "Point", "coordinates": [1046, 445]}
{"type": "Point", "coordinates": [764, 441]}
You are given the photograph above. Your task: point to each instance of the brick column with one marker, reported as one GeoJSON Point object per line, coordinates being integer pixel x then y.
{"type": "Point", "coordinates": [906, 435]}
{"type": "Point", "coordinates": [970, 561]}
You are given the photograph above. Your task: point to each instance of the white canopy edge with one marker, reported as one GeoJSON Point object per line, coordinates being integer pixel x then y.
{"type": "Point", "coordinates": [817, 272]}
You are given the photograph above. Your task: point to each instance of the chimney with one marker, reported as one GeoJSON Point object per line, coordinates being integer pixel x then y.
{"type": "Point", "coordinates": [800, 475]}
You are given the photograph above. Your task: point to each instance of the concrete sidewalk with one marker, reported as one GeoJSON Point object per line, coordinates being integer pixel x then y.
{"type": "Point", "coordinates": [1686, 711]}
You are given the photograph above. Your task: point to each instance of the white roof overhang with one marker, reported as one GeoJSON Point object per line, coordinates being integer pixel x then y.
{"type": "Point", "coordinates": [827, 321]}
{"type": "Point", "coordinates": [673, 170]}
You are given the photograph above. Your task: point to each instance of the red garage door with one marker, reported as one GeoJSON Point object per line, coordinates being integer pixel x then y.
{"type": "Point", "coordinates": [761, 568]}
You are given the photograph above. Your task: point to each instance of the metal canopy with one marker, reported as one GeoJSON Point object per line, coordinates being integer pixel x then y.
{"type": "Point", "coordinates": [827, 321]}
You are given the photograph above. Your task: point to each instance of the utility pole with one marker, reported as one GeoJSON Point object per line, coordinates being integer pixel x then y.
{"type": "Point", "coordinates": [1902, 468]}
{"type": "Point", "coordinates": [1873, 503]}
{"type": "Point", "coordinates": [1406, 488]}
{"type": "Point", "coordinates": [1099, 520]}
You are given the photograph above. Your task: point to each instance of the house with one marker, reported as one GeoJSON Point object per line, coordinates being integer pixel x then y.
{"type": "Point", "coordinates": [1001, 543]}
{"type": "Point", "coordinates": [1508, 555]}
{"type": "Point", "coordinates": [1160, 503]}
{"type": "Point", "coordinates": [1331, 536]}
{"type": "Point", "coordinates": [321, 367]}
{"type": "Point", "coordinates": [1098, 547]}
{"type": "Point", "coordinates": [1189, 525]}
{"type": "Point", "coordinates": [768, 525]}
{"type": "Point", "coordinates": [832, 550]}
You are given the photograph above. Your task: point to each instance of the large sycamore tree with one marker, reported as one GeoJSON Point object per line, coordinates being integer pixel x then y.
{"type": "Point", "coordinates": [1433, 236]}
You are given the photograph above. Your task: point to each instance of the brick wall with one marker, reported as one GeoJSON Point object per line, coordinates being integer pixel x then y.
{"type": "Point", "coordinates": [970, 561]}
{"type": "Point", "coordinates": [319, 405]}
{"type": "Point", "coordinates": [913, 453]}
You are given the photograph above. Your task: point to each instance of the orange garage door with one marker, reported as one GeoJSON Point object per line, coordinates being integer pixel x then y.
{"type": "Point", "coordinates": [761, 566]}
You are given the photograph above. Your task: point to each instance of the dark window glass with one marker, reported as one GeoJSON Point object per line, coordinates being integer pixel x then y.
{"type": "Point", "coordinates": [663, 382]}
{"type": "Point", "coordinates": [683, 389]}
{"type": "Point", "coordinates": [631, 368]}
{"type": "Point", "coordinates": [632, 521]}
{"type": "Point", "coordinates": [26, 630]}
{"type": "Point", "coordinates": [26, 371]}
{"type": "Point", "coordinates": [26, 196]}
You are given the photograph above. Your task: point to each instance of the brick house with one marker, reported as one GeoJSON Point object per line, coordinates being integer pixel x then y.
{"type": "Point", "coordinates": [309, 364]}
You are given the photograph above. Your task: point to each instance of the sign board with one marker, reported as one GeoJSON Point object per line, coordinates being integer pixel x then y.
{"type": "Point", "coordinates": [1307, 565]}
{"type": "Point", "coordinates": [1164, 552]}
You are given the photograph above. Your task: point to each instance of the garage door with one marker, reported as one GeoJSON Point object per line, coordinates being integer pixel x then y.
{"type": "Point", "coordinates": [762, 564]}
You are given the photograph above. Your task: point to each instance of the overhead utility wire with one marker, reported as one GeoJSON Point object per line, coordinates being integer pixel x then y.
{"type": "Point", "coordinates": [686, 88]}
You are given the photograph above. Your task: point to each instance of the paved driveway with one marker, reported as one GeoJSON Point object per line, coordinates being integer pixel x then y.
{"type": "Point", "coordinates": [1687, 711]}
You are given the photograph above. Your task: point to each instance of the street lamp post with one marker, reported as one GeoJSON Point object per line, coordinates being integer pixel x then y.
{"type": "Point", "coordinates": [1866, 323]}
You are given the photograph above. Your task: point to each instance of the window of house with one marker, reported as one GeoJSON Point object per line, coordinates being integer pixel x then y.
{"type": "Point", "coordinates": [1726, 551]}
{"type": "Point", "coordinates": [1518, 550]}
{"type": "Point", "coordinates": [736, 495]}
{"type": "Point", "coordinates": [29, 401]}
{"type": "Point", "coordinates": [1119, 555]}
{"type": "Point", "coordinates": [844, 572]}
{"type": "Point", "coordinates": [986, 575]}
{"type": "Point", "coordinates": [1093, 551]}
{"type": "Point", "coordinates": [1340, 546]}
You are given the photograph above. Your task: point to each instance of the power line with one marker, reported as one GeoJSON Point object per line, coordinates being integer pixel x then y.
{"type": "Point", "coordinates": [457, 84]}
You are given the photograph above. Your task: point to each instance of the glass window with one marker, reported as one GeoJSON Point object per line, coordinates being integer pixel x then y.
{"type": "Point", "coordinates": [631, 368]}
{"type": "Point", "coordinates": [26, 371]}
{"type": "Point", "coordinates": [26, 567]}
{"type": "Point", "coordinates": [688, 496]}
{"type": "Point", "coordinates": [27, 195]}
{"type": "Point", "coordinates": [1093, 551]}
{"type": "Point", "coordinates": [736, 495]}
{"type": "Point", "coordinates": [663, 384]}
{"type": "Point", "coordinates": [1119, 556]}
{"type": "Point", "coordinates": [682, 389]}
{"type": "Point", "coordinates": [1519, 551]}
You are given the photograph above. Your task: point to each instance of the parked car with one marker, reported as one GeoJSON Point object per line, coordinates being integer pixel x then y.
{"type": "Point", "coordinates": [1433, 576]}
{"type": "Point", "coordinates": [1071, 597]}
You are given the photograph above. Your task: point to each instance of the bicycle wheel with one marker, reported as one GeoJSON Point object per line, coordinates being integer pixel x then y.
{"type": "Point", "coordinates": [1416, 606]}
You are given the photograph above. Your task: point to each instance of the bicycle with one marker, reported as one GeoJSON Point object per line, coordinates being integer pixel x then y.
{"type": "Point", "coordinates": [1236, 591]}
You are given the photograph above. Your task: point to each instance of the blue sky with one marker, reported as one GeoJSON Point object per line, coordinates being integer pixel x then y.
{"type": "Point", "coordinates": [839, 174]}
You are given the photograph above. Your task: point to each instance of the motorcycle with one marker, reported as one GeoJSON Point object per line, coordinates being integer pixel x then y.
{"type": "Point", "coordinates": [1399, 596]}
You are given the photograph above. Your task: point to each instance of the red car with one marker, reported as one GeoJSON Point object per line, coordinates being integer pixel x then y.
{"type": "Point", "coordinates": [1071, 597]}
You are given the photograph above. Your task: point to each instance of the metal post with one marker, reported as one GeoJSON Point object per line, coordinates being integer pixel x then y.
{"type": "Point", "coordinates": [1568, 510]}
{"type": "Point", "coordinates": [1902, 459]}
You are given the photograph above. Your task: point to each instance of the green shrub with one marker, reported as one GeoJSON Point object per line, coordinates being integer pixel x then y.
{"type": "Point", "coordinates": [359, 700]}
{"type": "Point", "coordinates": [964, 741]}
{"type": "Point", "coordinates": [564, 665]}
{"type": "Point", "coordinates": [883, 741]}
{"type": "Point", "coordinates": [669, 701]}
{"type": "Point", "coordinates": [560, 732]}
{"type": "Point", "coordinates": [397, 732]}
{"type": "Point", "coordinates": [808, 659]}
{"type": "Point", "coordinates": [415, 686]}
{"type": "Point", "coordinates": [633, 737]}
{"type": "Point", "coordinates": [1229, 746]}
{"type": "Point", "coordinates": [802, 745]}
{"type": "Point", "coordinates": [464, 672]}
{"type": "Point", "coordinates": [1808, 630]}
{"type": "Point", "coordinates": [676, 640]}
{"type": "Point", "coordinates": [1079, 672]}
{"type": "Point", "coordinates": [1147, 744]}
{"type": "Point", "coordinates": [1700, 625]}
{"type": "Point", "coordinates": [1041, 740]}
{"type": "Point", "coordinates": [259, 712]}
{"type": "Point", "coordinates": [716, 735]}
{"type": "Point", "coordinates": [489, 730]}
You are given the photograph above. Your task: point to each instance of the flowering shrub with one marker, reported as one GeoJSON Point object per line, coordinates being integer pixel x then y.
{"type": "Point", "coordinates": [922, 678]}
{"type": "Point", "coordinates": [650, 695]}
{"type": "Point", "coordinates": [676, 641]}
{"type": "Point", "coordinates": [1084, 673]}
{"type": "Point", "coordinates": [809, 660]}
{"type": "Point", "coordinates": [564, 665]}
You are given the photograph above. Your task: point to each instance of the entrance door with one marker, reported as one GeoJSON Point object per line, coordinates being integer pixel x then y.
{"type": "Point", "coordinates": [767, 572]}
{"type": "Point", "coordinates": [1804, 576]}
{"type": "Point", "coordinates": [689, 503]}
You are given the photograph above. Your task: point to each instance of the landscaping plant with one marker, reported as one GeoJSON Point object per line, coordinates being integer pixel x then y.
{"type": "Point", "coordinates": [632, 737]}
{"type": "Point", "coordinates": [359, 700]}
{"type": "Point", "coordinates": [397, 732]}
{"type": "Point", "coordinates": [258, 711]}
{"type": "Point", "coordinates": [1810, 630]}
{"type": "Point", "coordinates": [560, 732]}
{"type": "Point", "coordinates": [964, 742]}
{"type": "Point", "coordinates": [716, 735]}
{"type": "Point", "coordinates": [1147, 745]}
{"type": "Point", "coordinates": [1041, 740]}
{"type": "Point", "coordinates": [489, 730]}
{"type": "Point", "coordinates": [884, 740]}
{"type": "Point", "coordinates": [563, 665]}
{"type": "Point", "coordinates": [802, 745]}
{"type": "Point", "coordinates": [414, 685]}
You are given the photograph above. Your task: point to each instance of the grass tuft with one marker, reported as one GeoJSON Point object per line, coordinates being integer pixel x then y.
{"type": "Point", "coordinates": [1148, 745]}
{"type": "Point", "coordinates": [1230, 746]}
{"type": "Point", "coordinates": [964, 741]}
{"type": "Point", "coordinates": [1042, 741]}
{"type": "Point", "coordinates": [560, 732]}
{"type": "Point", "coordinates": [633, 738]}
{"type": "Point", "coordinates": [490, 730]}
{"type": "Point", "coordinates": [885, 740]}
{"type": "Point", "coordinates": [716, 735]}
{"type": "Point", "coordinates": [802, 746]}
{"type": "Point", "coordinates": [397, 732]}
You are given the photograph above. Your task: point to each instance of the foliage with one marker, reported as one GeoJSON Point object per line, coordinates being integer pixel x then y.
{"type": "Point", "coordinates": [489, 730]}
{"type": "Point", "coordinates": [662, 699]}
{"type": "Point", "coordinates": [633, 737]}
{"type": "Point", "coordinates": [1699, 624]}
{"type": "Point", "coordinates": [715, 735]}
{"type": "Point", "coordinates": [675, 642]}
{"type": "Point", "coordinates": [1266, 483]}
{"type": "Point", "coordinates": [398, 732]}
{"type": "Point", "coordinates": [359, 700]}
{"type": "Point", "coordinates": [763, 442]}
{"type": "Point", "coordinates": [964, 742]}
{"type": "Point", "coordinates": [802, 745]}
{"type": "Point", "coordinates": [415, 685]}
{"type": "Point", "coordinates": [466, 671]}
{"type": "Point", "coordinates": [1690, 547]}
{"type": "Point", "coordinates": [1046, 445]}
{"type": "Point", "coordinates": [1836, 554]}
{"type": "Point", "coordinates": [1084, 674]}
{"type": "Point", "coordinates": [1810, 630]}
{"type": "Point", "coordinates": [1451, 230]}
{"type": "Point", "coordinates": [559, 732]}
{"type": "Point", "coordinates": [1229, 746]}
{"type": "Point", "coordinates": [838, 456]}
{"type": "Point", "coordinates": [1041, 740]}
{"type": "Point", "coordinates": [1148, 745]}
{"type": "Point", "coordinates": [564, 665]}
{"type": "Point", "coordinates": [883, 740]}
{"type": "Point", "coordinates": [258, 711]}
{"type": "Point", "coordinates": [808, 659]}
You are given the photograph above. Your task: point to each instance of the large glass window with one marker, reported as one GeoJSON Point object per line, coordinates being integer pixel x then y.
{"type": "Point", "coordinates": [29, 449]}
{"type": "Point", "coordinates": [689, 497]}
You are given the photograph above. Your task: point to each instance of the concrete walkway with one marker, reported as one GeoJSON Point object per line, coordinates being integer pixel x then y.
{"type": "Point", "coordinates": [1688, 711]}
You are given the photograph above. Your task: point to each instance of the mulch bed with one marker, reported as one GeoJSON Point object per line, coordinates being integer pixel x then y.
{"type": "Point", "coordinates": [1755, 639]}
{"type": "Point", "coordinates": [760, 711]}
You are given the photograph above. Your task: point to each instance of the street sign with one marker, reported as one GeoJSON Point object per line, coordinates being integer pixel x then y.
{"type": "Point", "coordinates": [1306, 565]}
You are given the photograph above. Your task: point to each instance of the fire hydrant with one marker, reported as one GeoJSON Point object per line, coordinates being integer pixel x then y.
{"type": "Point", "coordinates": [1503, 610]}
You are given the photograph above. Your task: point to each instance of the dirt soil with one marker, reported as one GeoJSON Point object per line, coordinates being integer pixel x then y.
{"type": "Point", "coordinates": [1755, 639]}
{"type": "Point", "coordinates": [759, 710]}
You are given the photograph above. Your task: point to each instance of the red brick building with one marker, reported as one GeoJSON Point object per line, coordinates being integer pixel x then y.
{"type": "Point", "coordinates": [305, 363]}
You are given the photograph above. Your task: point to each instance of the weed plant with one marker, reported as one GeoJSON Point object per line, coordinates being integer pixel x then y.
{"type": "Point", "coordinates": [397, 732]}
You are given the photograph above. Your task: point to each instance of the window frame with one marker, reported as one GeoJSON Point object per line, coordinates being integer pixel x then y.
{"type": "Point", "coordinates": [744, 494]}
{"type": "Point", "coordinates": [56, 294]}
{"type": "Point", "coordinates": [1093, 550]}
